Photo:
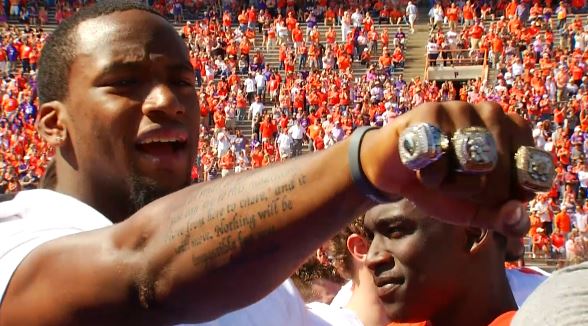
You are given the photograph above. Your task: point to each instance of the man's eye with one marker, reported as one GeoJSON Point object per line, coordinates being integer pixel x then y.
{"type": "Point", "coordinates": [184, 83]}
{"type": "Point", "coordinates": [394, 232]}
{"type": "Point", "coordinates": [124, 82]}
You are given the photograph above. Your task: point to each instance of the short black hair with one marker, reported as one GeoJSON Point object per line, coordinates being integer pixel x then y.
{"type": "Point", "coordinates": [59, 51]}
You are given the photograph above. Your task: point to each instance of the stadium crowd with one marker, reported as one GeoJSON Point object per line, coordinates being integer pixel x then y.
{"type": "Point", "coordinates": [318, 92]}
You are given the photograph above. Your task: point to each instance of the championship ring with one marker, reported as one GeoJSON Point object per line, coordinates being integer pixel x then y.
{"type": "Point", "coordinates": [421, 145]}
{"type": "Point", "coordinates": [475, 150]}
{"type": "Point", "coordinates": [535, 169]}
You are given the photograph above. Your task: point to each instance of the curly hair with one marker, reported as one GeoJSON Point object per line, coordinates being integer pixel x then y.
{"type": "Point", "coordinates": [313, 270]}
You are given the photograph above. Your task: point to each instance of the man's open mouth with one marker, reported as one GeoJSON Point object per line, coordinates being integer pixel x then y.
{"type": "Point", "coordinates": [162, 142]}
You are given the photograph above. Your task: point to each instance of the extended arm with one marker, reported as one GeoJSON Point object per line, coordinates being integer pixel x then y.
{"type": "Point", "coordinates": [190, 256]}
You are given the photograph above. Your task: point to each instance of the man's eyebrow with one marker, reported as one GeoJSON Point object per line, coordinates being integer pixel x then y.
{"type": "Point", "coordinates": [131, 65]}
{"type": "Point", "coordinates": [392, 219]}
{"type": "Point", "coordinates": [181, 66]}
{"type": "Point", "coordinates": [120, 66]}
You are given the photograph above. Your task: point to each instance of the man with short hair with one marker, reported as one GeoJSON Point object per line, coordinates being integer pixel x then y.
{"type": "Point", "coordinates": [427, 270]}
{"type": "Point", "coordinates": [125, 240]}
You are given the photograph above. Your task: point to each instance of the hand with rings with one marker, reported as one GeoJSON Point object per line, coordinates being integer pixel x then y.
{"type": "Point", "coordinates": [465, 164]}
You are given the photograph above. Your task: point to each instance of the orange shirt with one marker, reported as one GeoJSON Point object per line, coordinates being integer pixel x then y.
{"type": "Point", "coordinates": [314, 131]}
{"type": "Point", "coordinates": [10, 104]}
{"type": "Point", "coordinates": [497, 45]}
{"type": "Point", "coordinates": [452, 14]}
{"type": "Point", "coordinates": [297, 35]}
{"type": "Point", "coordinates": [562, 222]}
{"type": "Point", "coordinates": [385, 61]}
{"type": "Point", "coordinates": [511, 9]}
{"type": "Point", "coordinates": [267, 129]}
{"type": "Point", "coordinates": [468, 13]}
{"type": "Point", "coordinates": [245, 48]}
{"type": "Point", "coordinates": [227, 162]}
{"type": "Point", "coordinates": [502, 320]}
{"type": "Point", "coordinates": [577, 73]}
{"type": "Point", "coordinates": [344, 63]}
{"type": "Point", "coordinates": [477, 32]}
{"type": "Point", "coordinates": [256, 158]}
{"type": "Point", "coordinates": [331, 36]}
{"type": "Point", "coordinates": [25, 52]}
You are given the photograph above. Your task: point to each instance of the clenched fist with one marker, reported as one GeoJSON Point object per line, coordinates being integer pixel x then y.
{"type": "Point", "coordinates": [479, 193]}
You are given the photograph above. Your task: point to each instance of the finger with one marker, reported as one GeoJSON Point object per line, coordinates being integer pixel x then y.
{"type": "Point", "coordinates": [509, 219]}
{"type": "Point", "coordinates": [459, 115]}
{"type": "Point", "coordinates": [432, 178]}
{"type": "Point", "coordinates": [456, 183]}
{"type": "Point", "coordinates": [497, 187]}
{"type": "Point", "coordinates": [436, 115]}
{"type": "Point", "coordinates": [521, 135]}
{"type": "Point", "coordinates": [465, 186]}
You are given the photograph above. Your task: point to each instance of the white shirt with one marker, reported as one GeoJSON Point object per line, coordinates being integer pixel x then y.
{"type": "Point", "coordinates": [451, 37]}
{"type": "Point", "coordinates": [321, 313]}
{"type": "Point", "coordinates": [581, 220]}
{"type": "Point", "coordinates": [357, 19]}
{"type": "Point", "coordinates": [539, 137]}
{"type": "Point", "coordinates": [284, 142]}
{"type": "Point", "coordinates": [583, 178]}
{"type": "Point", "coordinates": [543, 212]}
{"type": "Point", "coordinates": [35, 217]}
{"type": "Point", "coordinates": [249, 85]}
{"type": "Point", "coordinates": [260, 80]}
{"type": "Point", "coordinates": [438, 14]}
{"type": "Point", "coordinates": [517, 69]}
{"type": "Point", "coordinates": [256, 108]}
{"type": "Point", "coordinates": [296, 131]}
{"type": "Point", "coordinates": [411, 9]}
{"type": "Point", "coordinates": [432, 48]}
{"type": "Point", "coordinates": [342, 297]}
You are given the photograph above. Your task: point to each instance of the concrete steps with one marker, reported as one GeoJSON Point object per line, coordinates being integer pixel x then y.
{"type": "Point", "coordinates": [415, 51]}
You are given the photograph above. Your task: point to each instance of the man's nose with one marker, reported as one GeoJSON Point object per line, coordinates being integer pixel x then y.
{"type": "Point", "coordinates": [377, 257]}
{"type": "Point", "coordinates": [163, 99]}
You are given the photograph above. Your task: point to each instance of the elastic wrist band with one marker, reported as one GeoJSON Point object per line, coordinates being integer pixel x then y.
{"type": "Point", "coordinates": [357, 174]}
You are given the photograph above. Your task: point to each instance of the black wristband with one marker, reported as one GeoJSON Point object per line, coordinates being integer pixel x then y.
{"type": "Point", "coordinates": [357, 174]}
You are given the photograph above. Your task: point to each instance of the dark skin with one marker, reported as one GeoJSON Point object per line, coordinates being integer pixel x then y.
{"type": "Point", "coordinates": [429, 270]}
{"type": "Point", "coordinates": [228, 236]}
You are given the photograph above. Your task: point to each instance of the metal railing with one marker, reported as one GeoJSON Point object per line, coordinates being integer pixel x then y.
{"type": "Point", "coordinates": [458, 58]}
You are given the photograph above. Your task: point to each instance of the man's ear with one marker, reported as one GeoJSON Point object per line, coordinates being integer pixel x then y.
{"type": "Point", "coordinates": [476, 239]}
{"type": "Point", "coordinates": [358, 246]}
{"type": "Point", "coordinates": [51, 123]}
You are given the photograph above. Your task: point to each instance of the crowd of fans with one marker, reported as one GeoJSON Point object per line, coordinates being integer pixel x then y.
{"type": "Point", "coordinates": [326, 82]}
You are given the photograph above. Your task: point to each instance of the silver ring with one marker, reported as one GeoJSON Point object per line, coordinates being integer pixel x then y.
{"type": "Point", "coordinates": [535, 169]}
{"type": "Point", "coordinates": [420, 145]}
{"type": "Point", "coordinates": [475, 150]}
